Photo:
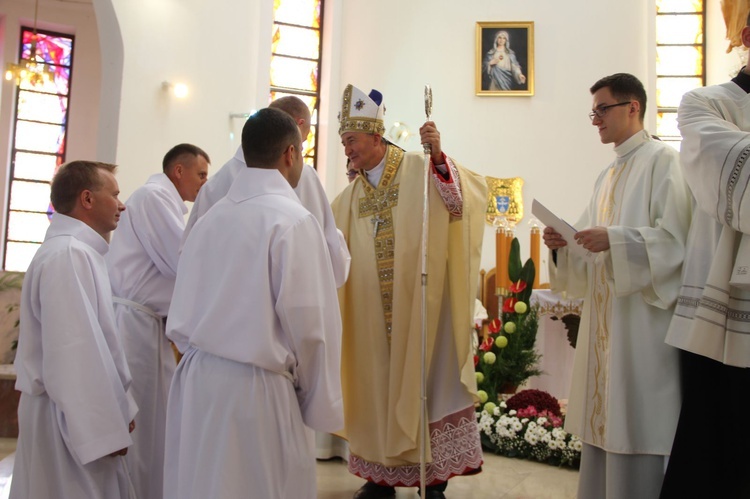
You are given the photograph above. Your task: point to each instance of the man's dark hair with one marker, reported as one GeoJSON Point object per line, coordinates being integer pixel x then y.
{"type": "Point", "coordinates": [293, 106]}
{"type": "Point", "coordinates": [177, 154]}
{"type": "Point", "coordinates": [624, 86]}
{"type": "Point", "coordinates": [266, 135]}
{"type": "Point", "coordinates": [73, 178]}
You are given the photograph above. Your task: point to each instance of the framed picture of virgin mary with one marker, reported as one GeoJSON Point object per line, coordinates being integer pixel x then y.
{"type": "Point", "coordinates": [505, 58]}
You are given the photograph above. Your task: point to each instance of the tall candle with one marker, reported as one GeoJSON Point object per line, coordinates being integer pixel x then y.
{"type": "Point", "coordinates": [501, 261]}
{"type": "Point", "coordinates": [535, 245]}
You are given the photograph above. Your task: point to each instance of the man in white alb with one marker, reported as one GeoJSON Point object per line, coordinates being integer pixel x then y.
{"type": "Point", "coordinates": [256, 313]}
{"type": "Point", "coordinates": [625, 392]}
{"type": "Point", "coordinates": [309, 190]}
{"type": "Point", "coordinates": [75, 414]}
{"type": "Point", "coordinates": [142, 265]}
{"type": "Point", "coordinates": [711, 325]}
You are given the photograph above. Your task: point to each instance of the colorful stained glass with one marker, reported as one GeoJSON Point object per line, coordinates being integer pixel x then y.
{"type": "Point", "coordinates": [18, 255]}
{"type": "Point", "coordinates": [57, 86]}
{"type": "Point", "coordinates": [27, 226]}
{"type": "Point", "coordinates": [673, 61]}
{"type": "Point", "coordinates": [29, 196]}
{"type": "Point", "coordinates": [295, 58]}
{"type": "Point", "coordinates": [669, 91]}
{"type": "Point", "coordinates": [40, 127]}
{"type": "Point", "coordinates": [299, 12]}
{"type": "Point", "coordinates": [294, 73]}
{"type": "Point", "coordinates": [39, 137]}
{"type": "Point", "coordinates": [42, 107]}
{"type": "Point", "coordinates": [53, 49]}
{"type": "Point", "coordinates": [30, 166]}
{"type": "Point", "coordinates": [670, 6]}
{"type": "Point", "coordinates": [298, 42]}
{"type": "Point", "coordinates": [679, 29]}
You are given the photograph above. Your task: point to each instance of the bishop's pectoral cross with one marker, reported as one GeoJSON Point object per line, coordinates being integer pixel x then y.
{"type": "Point", "coordinates": [376, 221]}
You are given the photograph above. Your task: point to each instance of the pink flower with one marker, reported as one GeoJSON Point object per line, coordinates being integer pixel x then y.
{"type": "Point", "coordinates": [528, 412]}
{"type": "Point", "coordinates": [552, 419]}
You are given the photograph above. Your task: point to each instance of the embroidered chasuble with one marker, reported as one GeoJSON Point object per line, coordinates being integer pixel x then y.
{"type": "Point", "coordinates": [381, 314]}
{"type": "Point", "coordinates": [623, 370]}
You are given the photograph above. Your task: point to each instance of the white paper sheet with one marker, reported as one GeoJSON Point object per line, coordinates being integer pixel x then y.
{"type": "Point", "coordinates": [566, 230]}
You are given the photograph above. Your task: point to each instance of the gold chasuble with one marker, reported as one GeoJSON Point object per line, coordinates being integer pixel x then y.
{"type": "Point", "coordinates": [381, 315]}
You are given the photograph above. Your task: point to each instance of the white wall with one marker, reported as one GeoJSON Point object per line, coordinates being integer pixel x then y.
{"type": "Point", "coordinates": [69, 18]}
{"type": "Point", "coordinates": [547, 139]}
{"type": "Point", "coordinates": [220, 49]}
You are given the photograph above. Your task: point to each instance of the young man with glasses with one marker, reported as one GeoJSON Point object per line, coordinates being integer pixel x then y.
{"type": "Point", "coordinates": [625, 395]}
{"type": "Point", "coordinates": [711, 325]}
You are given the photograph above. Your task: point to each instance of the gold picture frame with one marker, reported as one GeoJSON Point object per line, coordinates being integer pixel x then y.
{"type": "Point", "coordinates": [505, 67]}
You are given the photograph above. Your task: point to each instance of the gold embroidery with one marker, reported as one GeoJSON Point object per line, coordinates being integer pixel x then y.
{"type": "Point", "coordinates": [378, 204]}
{"type": "Point", "coordinates": [608, 214]}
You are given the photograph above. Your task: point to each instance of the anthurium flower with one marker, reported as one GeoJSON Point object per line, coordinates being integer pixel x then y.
{"type": "Point", "coordinates": [495, 325]}
{"type": "Point", "coordinates": [509, 304]}
{"type": "Point", "coordinates": [517, 287]}
{"type": "Point", "coordinates": [486, 345]}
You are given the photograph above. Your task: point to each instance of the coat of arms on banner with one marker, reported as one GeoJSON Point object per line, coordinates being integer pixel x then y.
{"type": "Point", "coordinates": [504, 199]}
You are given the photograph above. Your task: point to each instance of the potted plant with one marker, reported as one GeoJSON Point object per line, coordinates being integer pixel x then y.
{"type": "Point", "coordinates": [506, 357]}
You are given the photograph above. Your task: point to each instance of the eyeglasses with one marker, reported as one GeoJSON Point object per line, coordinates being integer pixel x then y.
{"type": "Point", "coordinates": [599, 112]}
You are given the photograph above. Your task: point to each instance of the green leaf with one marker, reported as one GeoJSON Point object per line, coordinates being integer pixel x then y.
{"type": "Point", "coordinates": [514, 261]}
{"type": "Point", "coordinates": [528, 272]}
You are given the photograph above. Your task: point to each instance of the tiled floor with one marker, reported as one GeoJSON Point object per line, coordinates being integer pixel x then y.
{"type": "Point", "coordinates": [501, 478]}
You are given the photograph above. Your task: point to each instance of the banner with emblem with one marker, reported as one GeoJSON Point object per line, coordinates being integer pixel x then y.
{"type": "Point", "coordinates": [504, 199]}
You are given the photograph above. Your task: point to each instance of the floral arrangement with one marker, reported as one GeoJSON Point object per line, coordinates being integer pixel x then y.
{"type": "Point", "coordinates": [513, 429]}
{"type": "Point", "coordinates": [506, 357]}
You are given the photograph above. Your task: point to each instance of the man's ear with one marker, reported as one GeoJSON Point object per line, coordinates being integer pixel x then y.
{"type": "Point", "coordinates": [86, 198]}
{"type": "Point", "coordinates": [635, 107]}
{"type": "Point", "coordinates": [745, 35]}
{"type": "Point", "coordinates": [289, 155]}
{"type": "Point", "coordinates": [178, 170]}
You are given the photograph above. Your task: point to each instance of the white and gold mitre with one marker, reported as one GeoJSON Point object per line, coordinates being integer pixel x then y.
{"type": "Point", "coordinates": [361, 113]}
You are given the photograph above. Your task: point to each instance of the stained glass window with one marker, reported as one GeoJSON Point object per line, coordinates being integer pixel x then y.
{"type": "Point", "coordinates": [38, 146]}
{"type": "Point", "coordinates": [295, 59]}
{"type": "Point", "coordinates": [680, 60]}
